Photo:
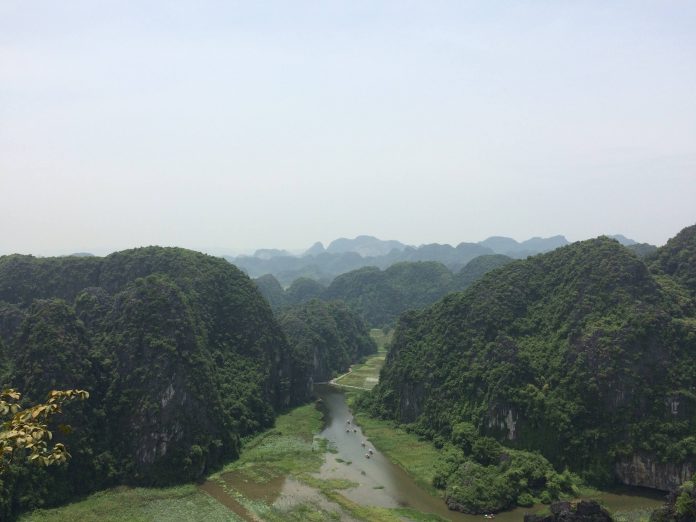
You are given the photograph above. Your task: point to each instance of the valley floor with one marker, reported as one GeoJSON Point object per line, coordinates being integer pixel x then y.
{"type": "Point", "coordinates": [282, 476]}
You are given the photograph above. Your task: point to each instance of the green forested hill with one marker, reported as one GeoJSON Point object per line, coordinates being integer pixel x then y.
{"type": "Point", "coordinates": [302, 290]}
{"type": "Point", "coordinates": [326, 338]}
{"type": "Point", "coordinates": [24, 278]}
{"type": "Point", "coordinates": [180, 354]}
{"type": "Point", "coordinates": [476, 269]}
{"type": "Point", "coordinates": [271, 290]}
{"type": "Point", "coordinates": [580, 354]}
{"type": "Point", "coordinates": [678, 258]}
{"type": "Point", "coordinates": [380, 296]}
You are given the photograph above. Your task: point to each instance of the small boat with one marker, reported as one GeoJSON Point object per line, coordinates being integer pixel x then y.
{"type": "Point", "coordinates": [367, 455]}
{"type": "Point", "coordinates": [489, 515]}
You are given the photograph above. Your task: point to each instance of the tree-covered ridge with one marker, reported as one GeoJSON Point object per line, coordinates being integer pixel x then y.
{"type": "Point", "coordinates": [326, 338]}
{"type": "Point", "coordinates": [580, 354]}
{"type": "Point", "coordinates": [476, 269]}
{"type": "Point", "coordinates": [271, 290]}
{"type": "Point", "coordinates": [179, 351]}
{"type": "Point", "coordinates": [24, 278]}
{"type": "Point", "coordinates": [302, 290]}
{"type": "Point", "coordinates": [380, 296]}
{"type": "Point", "coordinates": [678, 258]}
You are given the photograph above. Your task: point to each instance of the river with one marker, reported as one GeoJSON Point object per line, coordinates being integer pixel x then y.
{"type": "Point", "coordinates": [380, 482]}
{"type": "Point", "coordinates": [385, 484]}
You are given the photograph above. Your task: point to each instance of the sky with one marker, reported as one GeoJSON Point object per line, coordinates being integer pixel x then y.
{"type": "Point", "coordinates": [229, 126]}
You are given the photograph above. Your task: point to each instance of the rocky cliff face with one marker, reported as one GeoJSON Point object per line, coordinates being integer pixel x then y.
{"type": "Point", "coordinates": [326, 338]}
{"type": "Point", "coordinates": [648, 471]}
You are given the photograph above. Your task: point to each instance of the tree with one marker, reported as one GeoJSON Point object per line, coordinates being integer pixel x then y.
{"type": "Point", "coordinates": [25, 434]}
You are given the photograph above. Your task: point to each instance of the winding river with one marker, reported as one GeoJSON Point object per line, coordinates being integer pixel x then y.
{"type": "Point", "coordinates": [381, 483]}
{"type": "Point", "coordinates": [385, 484]}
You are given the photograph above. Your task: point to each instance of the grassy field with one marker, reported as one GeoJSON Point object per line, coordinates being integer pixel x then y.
{"type": "Point", "coordinates": [288, 449]}
{"type": "Point", "coordinates": [245, 489]}
{"type": "Point", "coordinates": [366, 374]}
{"type": "Point", "coordinates": [178, 504]}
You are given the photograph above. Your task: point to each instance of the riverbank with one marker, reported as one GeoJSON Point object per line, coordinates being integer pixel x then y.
{"type": "Point", "coordinates": [290, 473]}
{"type": "Point", "coordinates": [124, 504]}
{"type": "Point", "coordinates": [277, 478]}
{"type": "Point", "coordinates": [418, 458]}
{"type": "Point", "coordinates": [310, 467]}
{"type": "Point", "coordinates": [365, 375]}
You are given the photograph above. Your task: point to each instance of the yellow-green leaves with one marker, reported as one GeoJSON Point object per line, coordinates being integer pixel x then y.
{"type": "Point", "coordinates": [25, 433]}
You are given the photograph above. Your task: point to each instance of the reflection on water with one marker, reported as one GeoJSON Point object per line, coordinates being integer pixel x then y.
{"type": "Point", "coordinates": [385, 484]}
{"type": "Point", "coordinates": [627, 499]}
{"type": "Point", "coordinates": [380, 483]}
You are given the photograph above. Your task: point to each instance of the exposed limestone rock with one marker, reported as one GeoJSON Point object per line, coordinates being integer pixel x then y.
{"type": "Point", "coordinates": [647, 471]}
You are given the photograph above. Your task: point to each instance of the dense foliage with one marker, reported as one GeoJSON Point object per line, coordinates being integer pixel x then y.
{"type": "Point", "coordinates": [484, 477]}
{"type": "Point", "coordinates": [178, 350]}
{"type": "Point", "coordinates": [642, 249]}
{"type": "Point", "coordinates": [678, 258]}
{"type": "Point", "coordinates": [326, 338]}
{"type": "Point", "coordinates": [271, 290]}
{"type": "Point", "coordinates": [476, 269]}
{"type": "Point", "coordinates": [680, 505]}
{"type": "Point", "coordinates": [580, 354]}
{"type": "Point", "coordinates": [302, 290]}
{"type": "Point", "coordinates": [380, 296]}
{"type": "Point", "coordinates": [24, 433]}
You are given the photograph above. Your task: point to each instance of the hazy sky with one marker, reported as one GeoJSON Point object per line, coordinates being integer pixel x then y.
{"type": "Point", "coordinates": [226, 126]}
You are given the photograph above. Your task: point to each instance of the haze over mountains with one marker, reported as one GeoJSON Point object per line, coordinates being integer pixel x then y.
{"type": "Point", "coordinates": [343, 255]}
{"type": "Point", "coordinates": [503, 365]}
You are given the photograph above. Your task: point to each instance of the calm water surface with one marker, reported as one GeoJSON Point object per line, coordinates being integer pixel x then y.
{"type": "Point", "coordinates": [385, 484]}
{"type": "Point", "coordinates": [381, 483]}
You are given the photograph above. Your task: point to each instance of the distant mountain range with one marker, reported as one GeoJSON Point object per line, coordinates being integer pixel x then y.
{"type": "Point", "coordinates": [344, 255]}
